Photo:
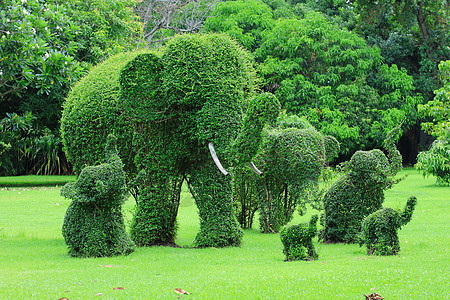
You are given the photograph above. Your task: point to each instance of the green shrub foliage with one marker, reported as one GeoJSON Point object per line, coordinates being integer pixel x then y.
{"type": "Point", "coordinates": [379, 229]}
{"type": "Point", "coordinates": [436, 161]}
{"type": "Point", "coordinates": [200, 89]}
{"type": "Point", "coordinates": [94, 225]}
{"type": "Point", "coordinates": [297, 241]}
{"type": "Point", "coordinates": [359, 192]}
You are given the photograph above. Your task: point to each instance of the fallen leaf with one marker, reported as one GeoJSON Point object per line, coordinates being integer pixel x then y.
{"type": "Point", "coordinates": [106, 266]}
{"type": "Point", "coordinates": [99, 294]}
{"type": "Point", "coordinates": [64, 298]}
{"type": "Point", "coordinates": [118, 288]}
{"type": "Point", "coordinates": [180, 291]}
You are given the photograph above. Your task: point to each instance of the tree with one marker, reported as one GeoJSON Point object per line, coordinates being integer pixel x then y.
{"type": "Point", "coordinates": [162, 19]}
{"type": "Point", "coordinates": [410, 33]}
{"type": "Point", "coordinates": [438, 109]}
{"type": "Point", "coordinates": [46, 46]}
{"type": "Point", "coordinates": [36, 47]}
{"type": "Point", "coordinates": [335, 79]}
{"type": "Point", "coordinates": [436, 161]}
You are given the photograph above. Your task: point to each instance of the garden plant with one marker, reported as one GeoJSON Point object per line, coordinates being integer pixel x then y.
{"type": "Point", "coordinates": [93, 224]}
{"type": "Point", "coordinates": [379, 229]}
{"type": "Point", "coordinates": [292, 158]}
{"type": "Point", "coordinates": [297, 240]}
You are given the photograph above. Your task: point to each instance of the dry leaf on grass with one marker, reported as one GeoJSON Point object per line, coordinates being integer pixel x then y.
{"type": "Point", "coordinates": [63, 298]}
{"type": "Point", "coordinates": [373, 296]}
{"type": "Point", "coordinates": [180, 291]}
{"type": "Point", "coordinates": [118, 288]}
{"type": "Point", "coordinates": [99, 294]}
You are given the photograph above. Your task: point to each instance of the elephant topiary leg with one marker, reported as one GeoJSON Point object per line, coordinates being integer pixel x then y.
{"type": "Point", "coordinates": [154, 222]}
{"type": "Point", "coordinates": [212, 193]}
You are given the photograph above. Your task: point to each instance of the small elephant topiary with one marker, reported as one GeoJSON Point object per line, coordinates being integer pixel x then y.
{"type": "Point", "coordinates": [379, 229]}
{"type": "Point", "coordinates": [93, 225]}
{"type": "Point", "coordinates": [297, 241]}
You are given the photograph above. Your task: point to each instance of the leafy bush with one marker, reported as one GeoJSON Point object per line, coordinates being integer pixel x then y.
{"type": "Point", "coordinates": [379, 229]}
{"type": "Point", "coordinates": [297, 240]}
{"type": "Point", "coordinates": [436, 161]}
{"type": "Point", "coordinates": [93, 225]}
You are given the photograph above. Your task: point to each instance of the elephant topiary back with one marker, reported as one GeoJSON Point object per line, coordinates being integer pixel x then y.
{"type": "Point", "coordinates": [91, 111]}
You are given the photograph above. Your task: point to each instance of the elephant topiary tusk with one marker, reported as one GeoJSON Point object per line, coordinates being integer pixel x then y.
{"type": "Point", "coordinates": [216, 159]}
{"type": "Point", "coordinates": [254, 168]}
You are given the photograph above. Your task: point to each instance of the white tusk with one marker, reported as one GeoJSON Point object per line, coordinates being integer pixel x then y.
{"type": "Point", "coordinates": [216, 159]}
{"type": "Point", "coordinates": [254, 168]}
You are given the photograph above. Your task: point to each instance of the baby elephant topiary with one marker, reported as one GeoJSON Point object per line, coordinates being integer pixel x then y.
{"type": "Point", "coordinates": [297, 240]}
{"type": "Point", "coordinates": [94, 225]}
{"type": "Point", "coordinates": [379, 229]}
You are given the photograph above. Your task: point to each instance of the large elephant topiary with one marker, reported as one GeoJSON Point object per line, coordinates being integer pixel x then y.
{"type": "Point", "coordinates": [193, 112]}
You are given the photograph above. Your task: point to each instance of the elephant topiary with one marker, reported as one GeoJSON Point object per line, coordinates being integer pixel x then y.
{"type": "Point", "coordinates": [359, 192]}
{"type": "Point", "coordinates": [292, 157]}
{"type": "Point", "coordinates": [297, 240]}
{"type": "Point", "coordinates": [379, 229]}
{"type": "Point", "coordinates": [93, 224]}
{"type": "Point", "coordinates": [195, 114]}
{"type": "Point", "coordinates": [174, 109]}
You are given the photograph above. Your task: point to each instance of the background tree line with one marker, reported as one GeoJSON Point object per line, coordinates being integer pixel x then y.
{"type": "Point", "coordinates": [354, 69]}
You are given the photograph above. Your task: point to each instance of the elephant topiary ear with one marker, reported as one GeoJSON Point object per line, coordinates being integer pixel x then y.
{"type": "Point", "coordinates": [140, 82]}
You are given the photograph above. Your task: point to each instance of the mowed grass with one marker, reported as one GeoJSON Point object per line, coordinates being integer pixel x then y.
{"type": "Point", "coordinates": [34, 263]}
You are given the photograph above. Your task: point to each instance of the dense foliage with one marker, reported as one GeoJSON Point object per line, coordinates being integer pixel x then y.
{"type": "Point", "coordinates": [321, 71]}
{"type": "Point", "coordinates": [29, 150]}
{"type": "Point", "coordinates": [437, 111]}
{"type": "Point", "coordinates": [410, 33]}
{"type": "Point", "coordinates": [297, 241]}
{"type": "Point", "coordinates": [358, 193]}
{"type": "Point", "coordinates": [94, 225]}
{"type": "Point", "coordinates": [436, 161]}
{"type": "Point", "coordinates": [379, 229]}
{"type": "Point", "coordinates": [45, 46]}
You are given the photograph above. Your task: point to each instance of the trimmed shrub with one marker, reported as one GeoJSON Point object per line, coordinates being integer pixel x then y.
{"type": "Point", "coordinates": [297, 241]}
{"type": "Point", "coordinates": [292, 157]}
{"type": "Point", "coordinates": [292, 161]}
{"type": "Point", "coordinates": [379, 229]}
{"type": "Point", "coordinates": [93, 225]}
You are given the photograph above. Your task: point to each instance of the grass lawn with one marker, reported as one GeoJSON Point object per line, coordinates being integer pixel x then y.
{"type": "Point", "coordinates": [34, 263]}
